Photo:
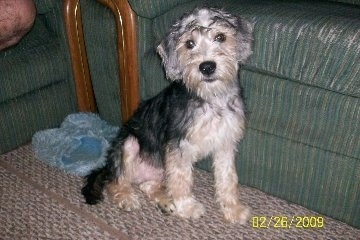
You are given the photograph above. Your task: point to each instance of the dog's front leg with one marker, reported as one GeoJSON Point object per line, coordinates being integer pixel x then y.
{"type": "Point", "coordinates": [226, 184]}
{"type": "Point", "coordinates": [179, 183]}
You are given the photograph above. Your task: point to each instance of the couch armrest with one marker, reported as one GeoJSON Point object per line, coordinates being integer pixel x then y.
{"type": "Point", "coordinates": [80, 66]}
{"type": "Point", "coordinates": [127, 55]}
{"type": "Point", "coordinates": [125, 20]}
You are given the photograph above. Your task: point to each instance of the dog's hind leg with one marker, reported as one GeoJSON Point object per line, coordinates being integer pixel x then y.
{"type": "Point", "coordinates": [121, 190]}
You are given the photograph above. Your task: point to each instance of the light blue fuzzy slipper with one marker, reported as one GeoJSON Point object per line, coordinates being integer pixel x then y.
{"type": "Point", "coordinates": [78, 146]}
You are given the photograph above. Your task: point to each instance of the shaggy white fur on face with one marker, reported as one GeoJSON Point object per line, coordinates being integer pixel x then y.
{"type": "Point", "coordinates": [214, 36]}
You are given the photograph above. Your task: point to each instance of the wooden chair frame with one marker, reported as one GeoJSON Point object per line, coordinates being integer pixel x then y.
{"type": "Point", "coordinates": [125, 20]}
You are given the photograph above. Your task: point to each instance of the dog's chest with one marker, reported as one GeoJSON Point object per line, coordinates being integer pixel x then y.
{"type": "Point", "coordinates": [216, 126]}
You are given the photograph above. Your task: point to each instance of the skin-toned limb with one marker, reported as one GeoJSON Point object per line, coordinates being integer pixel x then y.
{"type": "Point", "coordinates": [16, 19]}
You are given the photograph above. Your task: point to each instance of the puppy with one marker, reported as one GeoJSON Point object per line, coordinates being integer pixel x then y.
{"type": "Point", "coordinates": [199, 114]}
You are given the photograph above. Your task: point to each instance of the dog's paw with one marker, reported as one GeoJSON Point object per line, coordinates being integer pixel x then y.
{"type": "Point", "coordinates": [236, 213]}
{"type": "Point", "coordinates": [189, 208]}
{"type": "Point", "coordinates": [158, 195]}
{"type": "Point", "coordinates": [166, 205]}
{"type": "Point", "coordinates": [127, 202]}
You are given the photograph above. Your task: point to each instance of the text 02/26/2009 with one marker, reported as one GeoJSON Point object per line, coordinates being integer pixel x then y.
{"type": "Point", "coordinates": [287, 222]}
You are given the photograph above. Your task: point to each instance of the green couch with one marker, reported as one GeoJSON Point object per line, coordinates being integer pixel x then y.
{"type": "Point", "coordinates": [301, 88]}
{"type": "Point", "coordinates": [36, 83]}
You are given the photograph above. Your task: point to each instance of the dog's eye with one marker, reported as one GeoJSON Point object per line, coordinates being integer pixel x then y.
{"type": "Point", "coordinates": [220, 38]}
{"type": "Point", "coordinates": [190, 44]}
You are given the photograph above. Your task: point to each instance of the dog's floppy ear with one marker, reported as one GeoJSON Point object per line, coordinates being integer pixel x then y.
{"type": "Point", "coordinates": [168, 54]}
{"type": "Point", "coordinates": [244, 38]}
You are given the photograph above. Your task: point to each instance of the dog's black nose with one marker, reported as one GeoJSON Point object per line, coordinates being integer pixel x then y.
{"type": "Point", "coordinates": [207, 68]}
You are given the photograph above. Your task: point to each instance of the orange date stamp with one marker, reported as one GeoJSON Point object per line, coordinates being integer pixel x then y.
{"type": "Point", "coordinates": [304, 222]}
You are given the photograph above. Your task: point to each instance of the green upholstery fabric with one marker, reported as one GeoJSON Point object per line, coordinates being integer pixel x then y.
{"type": "Point", "coordinates": [36, 85]}
{"type": "Point", "coordinates": [302, 113]}
{"type": "Point", "coordinates": [152, 9]}
{"type": "Point", "coordinates": [40, 109]}
{"type": "Point", "coordinates": [44, 6]}
{"type": "Point", "coordinates": [100, 38]}
{"type": "Point", "coordinates": [348, 1]}
{"type": "Point", "coordinates": [302, 90]}
{"type": "Point", "coordinates": [15, 85]}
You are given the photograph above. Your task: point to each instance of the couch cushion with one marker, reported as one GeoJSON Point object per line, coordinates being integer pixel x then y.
{"type": "Point", "coordinates": [154, 8]}
{"type": "Point", "coordinates": [41, 50]}
{"type": "Point", "coordinates": [312, 116]}
{"type": "Point", "coordinates": [357, 2]}
{"type": "Point", "coordinates": [43, 108]}
{"type": "Point", "coordinates": [44, 6]}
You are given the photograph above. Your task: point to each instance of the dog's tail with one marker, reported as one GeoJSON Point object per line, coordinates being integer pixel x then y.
{"type": "Point", "coordinates": [97, 180]}
{"type": "Point", "coordinates": [95, 183]}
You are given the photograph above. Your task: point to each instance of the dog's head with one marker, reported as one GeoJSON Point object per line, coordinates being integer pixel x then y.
{"type": "Point", "coordinates": [204, 48]}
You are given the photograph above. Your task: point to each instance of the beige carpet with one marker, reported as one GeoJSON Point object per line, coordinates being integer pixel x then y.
{"type": "Point", "coordinates": [41, 202]}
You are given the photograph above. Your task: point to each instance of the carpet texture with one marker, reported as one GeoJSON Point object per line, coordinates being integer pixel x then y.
{"type": "Point", "coordinates": [40, 202]}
